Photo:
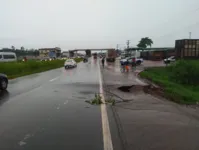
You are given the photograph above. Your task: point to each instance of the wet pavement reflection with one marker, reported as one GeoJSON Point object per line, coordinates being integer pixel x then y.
{"type": "Point", "coordinates": [4, 96]}
{"type": "Point", "coordinates": [48, 111]}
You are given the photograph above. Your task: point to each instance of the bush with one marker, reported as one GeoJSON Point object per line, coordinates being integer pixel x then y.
{"type": "Point", "coordinates": [16, 69]}
{"type": "Point", "coordinates": [78, 59]}
{"type": "Point", "coordinates": [185, 72]}
{"type": "Point", "coordinates": [179, 81]}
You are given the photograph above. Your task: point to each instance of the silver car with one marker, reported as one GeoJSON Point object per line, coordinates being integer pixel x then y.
{"type": "Point", "coordinates": [70, 63]}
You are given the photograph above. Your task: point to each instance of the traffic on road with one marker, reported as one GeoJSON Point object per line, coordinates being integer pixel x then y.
{"type": "Point", "coordinates": [48, 110]}
{"type": "Point", "coordinates": [93, 105]}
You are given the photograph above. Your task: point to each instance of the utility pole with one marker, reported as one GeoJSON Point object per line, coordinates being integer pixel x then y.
{"type": "Point", "coordinates": [117, 46]}
{"type": "Point", "coordinates": [189, 35]}
{"type": "Point", "coordinates": [127, 43]}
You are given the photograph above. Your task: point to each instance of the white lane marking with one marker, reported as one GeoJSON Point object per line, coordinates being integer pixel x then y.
{"type": "Point", "coordinates": [65, 102]}
{"type": "Point", "coordinates": [139, 81]}
{"type": "Point", "coordinates": [53, 79]}
{"type": "Point", "coordinates": [22, 142]}
{"type": "Point", "coordinates": [108, 145]}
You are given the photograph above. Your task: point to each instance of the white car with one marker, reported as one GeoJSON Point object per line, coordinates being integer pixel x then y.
{"type": "Point", "coordinates": [70, 63]}
{"type": "Point", "coordinates": [130, 60]}
{"type": "Point", "coordinates": [169, 60]}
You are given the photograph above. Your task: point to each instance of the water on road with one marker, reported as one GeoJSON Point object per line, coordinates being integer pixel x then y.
{"type": "Point", "coordinates": [47, 111]}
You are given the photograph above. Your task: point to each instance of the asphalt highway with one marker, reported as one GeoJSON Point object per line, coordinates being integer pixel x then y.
{"type": "Point", "coordinates": [47, 111]}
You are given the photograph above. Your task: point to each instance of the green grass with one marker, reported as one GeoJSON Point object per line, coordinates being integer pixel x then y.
{"type": "Point", "coordinates": [18, 69]}
{"type": "Point", "coordinates": [185, 94]}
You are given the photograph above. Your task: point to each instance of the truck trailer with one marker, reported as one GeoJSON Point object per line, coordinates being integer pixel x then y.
{"type": "Point", "coordinates": [111, 55]}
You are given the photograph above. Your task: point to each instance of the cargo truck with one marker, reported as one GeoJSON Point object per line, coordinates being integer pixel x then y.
{"type": "Point", "coordinates": [95, 55]}
{"type": "Point", "coordinates": [111, 55]}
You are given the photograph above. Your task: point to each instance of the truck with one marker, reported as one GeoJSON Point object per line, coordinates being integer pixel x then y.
{"type": "Point", "coordinates": [95, 55]}
{"type": "Point", "coordinates": [111, 55]}
{"type": "Point", "coordinates": [88, 53]}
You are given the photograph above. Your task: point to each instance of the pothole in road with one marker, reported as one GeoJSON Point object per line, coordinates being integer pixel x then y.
{"type": "Point", "coordinates": [149, 89]}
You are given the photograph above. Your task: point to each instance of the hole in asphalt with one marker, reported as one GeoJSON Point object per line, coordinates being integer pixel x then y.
{"type": "Point", "coordinates": [125, 88]}
{"type": "Point", "coordinates": [140, 88]}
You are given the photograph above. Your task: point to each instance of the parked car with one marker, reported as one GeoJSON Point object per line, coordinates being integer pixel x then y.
{"type": "Point", "coordinates": [70, 63]}
{"type": "Point", "coordinates": [169, 60]}
{"type": "Point", "coordinates": [3, 82]}
{"type": "Point", "coordinates": [7, 57]}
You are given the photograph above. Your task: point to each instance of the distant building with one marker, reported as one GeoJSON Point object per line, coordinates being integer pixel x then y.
{"type": "Point", "coordinates": [50, 52]}
{"type": "Point", "coordinates": [187, 48]}
{"type": "Point", "coordinates": [65, 54]}
{"type": "Point", "coordinates": [157, 53]}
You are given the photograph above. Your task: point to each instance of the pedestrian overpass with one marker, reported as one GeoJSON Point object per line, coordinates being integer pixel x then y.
{"type": "Point", "coordinates": [88, 51]}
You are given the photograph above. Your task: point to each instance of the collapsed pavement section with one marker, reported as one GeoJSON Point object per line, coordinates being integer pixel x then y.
{"type": "Point", "coordinates": [145, 121]}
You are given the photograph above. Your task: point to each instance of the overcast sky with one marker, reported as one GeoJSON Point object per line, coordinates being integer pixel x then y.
{"type": "Point", "coordinates": [71, 24]}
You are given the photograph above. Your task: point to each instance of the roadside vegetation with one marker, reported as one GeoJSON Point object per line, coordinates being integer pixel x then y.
{"type": "Point", "coordinates": [97, 100]}
{"type": "Point", "coordinates": [179, 81]}
{"type": "Point", "coordinates": [18, 69]}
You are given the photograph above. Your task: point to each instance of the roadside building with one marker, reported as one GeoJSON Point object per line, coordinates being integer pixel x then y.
{"type": "Point", "coordinates": [187, 48]}
{"type": "Point", "coordinates": [65, 54]}
{"type": "Point", "coordinates": [50, 52]}
{"type": "Point", "coordinates": [158, 53]}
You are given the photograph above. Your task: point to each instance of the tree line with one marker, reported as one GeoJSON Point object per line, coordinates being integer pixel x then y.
{"type": "Point", "coordinates": [22, 51]}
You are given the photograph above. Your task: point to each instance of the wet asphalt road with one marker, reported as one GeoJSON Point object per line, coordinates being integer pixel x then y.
{"type": "Point", "coordinates": [47, 111]}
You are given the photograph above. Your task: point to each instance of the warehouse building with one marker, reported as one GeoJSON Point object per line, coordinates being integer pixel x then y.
{"type": "Point", "coordinates": [187, 48]}
{"type": "Point", "coordinates": [50, 52]}
{"type": "Point", "coordinates": [156, 54]}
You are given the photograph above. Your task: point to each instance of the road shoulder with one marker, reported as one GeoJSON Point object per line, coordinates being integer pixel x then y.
{"type": "Point", "coordinates": [145, 121]}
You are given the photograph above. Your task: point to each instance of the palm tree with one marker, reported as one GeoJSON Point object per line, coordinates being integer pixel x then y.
{"type": "Point", "coordinates": [13, 48]}
{"type": "Point", "coordinates": [144, 42]}
{"type": "Point", "coordinates": [22, 48]}
{"type": "Point", "coordinates": [148, 41]}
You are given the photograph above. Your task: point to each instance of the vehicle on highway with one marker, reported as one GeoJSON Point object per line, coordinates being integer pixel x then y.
{"type": "Point", "coordinates": [85, 59]}
{"type": "Point", "coordinates": [3, 81]}
{"type": "Point", "coordinates": [7, 57]}
{"type": "Point", "coordinates": [111, 55]}
{"type": "Point", "coordinates": [138, 61]}
{"type": "Point", "coordinates": [95, 55]}
{"type": "Point", "coordinates": [70, 63]}
{"type": "Point", "coordinates": [169, 60]}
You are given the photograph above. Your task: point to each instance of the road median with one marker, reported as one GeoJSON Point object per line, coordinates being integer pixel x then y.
{"type": "Point", "coordinates": [18, 69]}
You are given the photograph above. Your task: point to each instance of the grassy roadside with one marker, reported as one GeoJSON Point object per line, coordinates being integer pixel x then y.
{"type": "Point", "coordinates": [180, 93]}
{"type": "Point", "coordinates": [18, 69]}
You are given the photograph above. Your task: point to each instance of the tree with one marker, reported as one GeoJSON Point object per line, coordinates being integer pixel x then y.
{"type": "Point", "coordinates": [145, 42]}
{"type": "Point", "coordinates": [13, 48]}
{"type": "Point", "coordinates": [22, 48]}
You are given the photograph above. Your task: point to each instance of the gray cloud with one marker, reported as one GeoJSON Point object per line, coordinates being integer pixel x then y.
{"type": "Point", "coordinates": [95, 23]}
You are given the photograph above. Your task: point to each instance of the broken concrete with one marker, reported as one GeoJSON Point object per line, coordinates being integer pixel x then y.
{"type": "Point", "coordinates": [148, 122]}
